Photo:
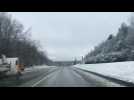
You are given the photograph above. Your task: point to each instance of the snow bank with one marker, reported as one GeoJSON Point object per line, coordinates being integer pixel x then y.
{"type": "Point", "coordinates": [37, 68]}
{"type": "Point", "coordinates": [31, 69]}
{"type": "Point", "coordinates": [118, 70]}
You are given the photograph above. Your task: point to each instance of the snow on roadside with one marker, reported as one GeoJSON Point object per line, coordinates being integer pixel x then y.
{"type": "Point", "coordinates": [118, 70]}
{"type": "Point", "coordinates": [34, 68]}
{"type": "Point", "coordinates": [31, 69]}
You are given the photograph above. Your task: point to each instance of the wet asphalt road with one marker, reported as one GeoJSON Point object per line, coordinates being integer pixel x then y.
{"type": "Point", "coordinates": [68, 76]}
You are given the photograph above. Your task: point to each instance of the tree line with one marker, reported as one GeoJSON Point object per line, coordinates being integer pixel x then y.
{"type": "Point", "coordinates": [15, 41]}
{"type": "Point", "coordinates": [115, 48]}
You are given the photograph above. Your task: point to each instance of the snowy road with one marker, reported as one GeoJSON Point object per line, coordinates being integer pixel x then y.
{"type": "Point", "coordinates": [64, 77]}
{"type": "Point", "coordinates": [69, 77]}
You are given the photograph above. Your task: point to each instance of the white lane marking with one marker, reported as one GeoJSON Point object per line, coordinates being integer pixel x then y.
{"type": "Point", "coordinates": [41, 80]}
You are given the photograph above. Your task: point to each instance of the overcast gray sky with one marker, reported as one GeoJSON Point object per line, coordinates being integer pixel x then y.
{"type": "Point", "coordinates": [66, 35]}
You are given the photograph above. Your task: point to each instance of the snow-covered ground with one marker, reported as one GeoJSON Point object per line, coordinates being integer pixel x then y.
{"type": "Point", "coordinates": [118, 70]}
{"type": "Point", "coordinates": [37, 68]}
{"type": "Point", "coordinates": [31, 69]}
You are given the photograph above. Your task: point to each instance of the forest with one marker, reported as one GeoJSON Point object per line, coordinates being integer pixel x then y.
{"type": "Point", "coordinates": [115, 48]}
{"type": "Point", "coordinates": [15, 41]}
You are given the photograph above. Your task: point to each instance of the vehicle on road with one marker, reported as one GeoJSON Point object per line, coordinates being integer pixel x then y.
{"type": "Point", "coordinates": [11, 65]}
{"type": "Point", "coordinates": [4, 65]}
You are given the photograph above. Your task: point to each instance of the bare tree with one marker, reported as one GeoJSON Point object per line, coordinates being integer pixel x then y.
{"type": "Point", "coordinates": [16, 42]}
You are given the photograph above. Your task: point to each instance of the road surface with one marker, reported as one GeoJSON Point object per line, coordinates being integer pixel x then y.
{"type": "Point", "coordinates": [68, 76]}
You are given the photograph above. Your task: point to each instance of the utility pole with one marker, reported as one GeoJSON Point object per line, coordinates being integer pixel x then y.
{"type": "Point", "coordinates": [82, 61]}
{"type": "Point", "coordinates": [75, 61]}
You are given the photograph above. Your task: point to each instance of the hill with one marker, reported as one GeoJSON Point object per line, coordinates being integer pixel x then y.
{"type": "Point", "coordinates": [115, 48]}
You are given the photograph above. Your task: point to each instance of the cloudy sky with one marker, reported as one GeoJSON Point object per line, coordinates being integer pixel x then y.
{"type": "Point", "coordinates": [66, 35]}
